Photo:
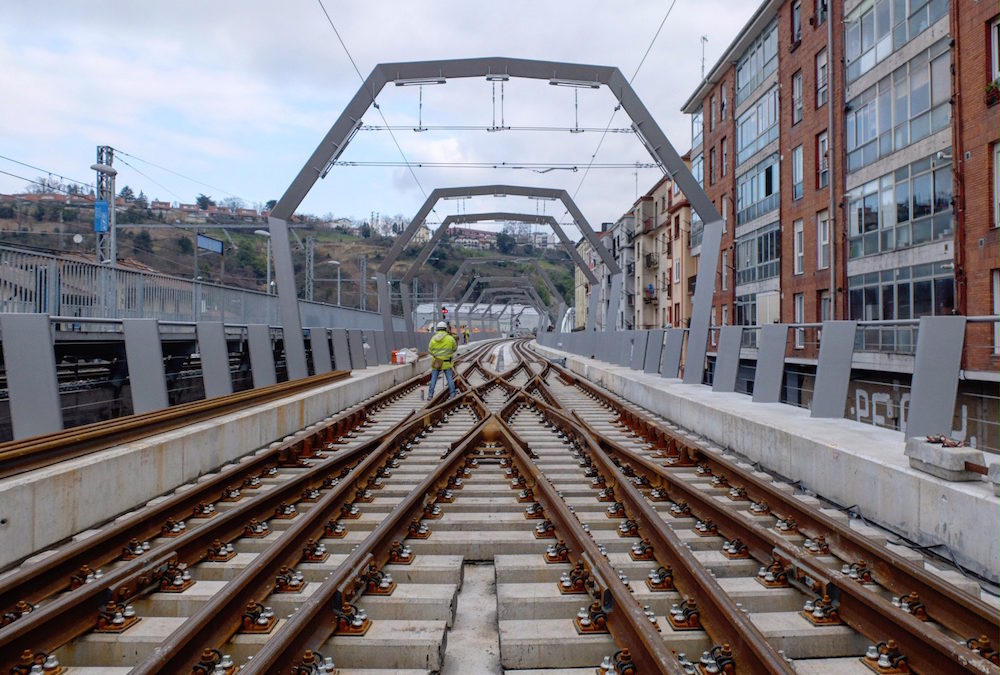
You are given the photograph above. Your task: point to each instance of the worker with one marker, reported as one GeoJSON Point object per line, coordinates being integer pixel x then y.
{"type": "Point", "coordinates": [442, 349]}
{"type": "Point", "coordinates": [465, 333]}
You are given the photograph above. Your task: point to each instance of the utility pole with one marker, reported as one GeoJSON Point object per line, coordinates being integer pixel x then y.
{"type": "Point", "coordinates": [704, 39]}
{"type": "Point", "coordinates": [104, 222]}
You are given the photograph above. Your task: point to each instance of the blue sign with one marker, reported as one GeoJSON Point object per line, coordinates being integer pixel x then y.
{"type": "Point", "coordinates": [102, 218]}
{"type": "Point", "coordinates": [210, 244]}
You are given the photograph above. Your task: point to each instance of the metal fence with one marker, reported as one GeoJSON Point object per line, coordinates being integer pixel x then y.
{"type": "Point", "coordinates": [58, 286]}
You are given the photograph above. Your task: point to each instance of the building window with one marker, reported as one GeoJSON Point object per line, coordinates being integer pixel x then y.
{"type": "Point", "coordinates": [825, 307]}
{"type": "Point", "coordinates": [996, 311]}
{"type": "Point", "coordinates": [696, 128]}
{"type": "Point", "coordinates": [711, 113]}
{"type": "Point", "coordinates": [711, 166]}
{"type": "Point", "coordinates": [822, 160]}
{"type": "Point", "coordinates": [900, 110]}
{"type": "Point", "coordinates": [725, 270]}
{"type": "Point", "coordinates": [799, 308]}
{"type": "Point", "coordinates": [757, 127]}
{"type": "Point", "coordinates": [800, 247]}
{"type": "Point", "coordinates": [820, 13]}
{"type": "Point", "coordinates": [823, 239]}
{"type": "Point", "coordinates": [797, 172]}
{"type": "Point", "coordinates": [796, 23]}
{"type": "Point", "coordinates": [725, 213]}
{"type": "Point", "coordinates": [725, 155]}
{"type": "Point", "coordinates": [757, 191]}
{"type": "Point", "coordinates": [901, 293]}
{"type": "Point", "coordinates": [901, 209]}
{"type": "Point", "coordinates": [722, 102]}
{"type": "Point", "coordinates": [995, 51]}
{"type": "Point", "coordinates": [822, 82]}
{"type": "Point", "coordinates": [758, 254]}
{"type": "Point", "coordinates": [875, 30]}
{"type": "Point", "coordinates": [677, 271]}
{"type": "Point", "coordinates": [996, 185]}
{"type": "Point", "coordinates": [757, 63]}
{"type": "Point", "coordinates": [725, 315]}
{"type": "Point", "coordinates": [698, 169]}
{"type": "Point", "coordinates": [797, 97]}
{"type": "Point", "coordinates": [746, 310]}
{"type": "Point", "coordinates": [714, 333]}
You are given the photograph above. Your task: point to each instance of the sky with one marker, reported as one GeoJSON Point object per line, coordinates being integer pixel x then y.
{"type": "Point", "coordinates": [230, 97]}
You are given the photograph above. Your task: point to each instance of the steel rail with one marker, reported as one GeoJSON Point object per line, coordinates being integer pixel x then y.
{"type": "Point", "coordinates": [927, 650]}
{"type": "Point", "coordinates": [863, 609]}
{"type": "Point", "coordinates": [36, 582]}
{"type": "Point", "coordinates": [219, 619]}
{"type": "Point", "coordinates": [74, 613]}
{"type": "Point", "coordinates": [718, 614]}
{"type": "Point", "coordinates": [628, 625]}
{"type": "Point", "coordinates": [41, 451]}
{"type": "Point", "coordinates": [960, 612]}
{"type": "Point", "coordinates": [316, 620]}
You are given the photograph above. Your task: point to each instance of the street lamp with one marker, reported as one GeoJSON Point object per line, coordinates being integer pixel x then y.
{"type": "Point", "coordinates": [265, 233]}
{"type": "Point", "coordinates": [337, 263]}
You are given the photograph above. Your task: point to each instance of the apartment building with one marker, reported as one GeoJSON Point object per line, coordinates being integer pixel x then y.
{"type": "Point", "coordinates": [832, 127]}
{"type": "Point", "coordinates": [619, 238]}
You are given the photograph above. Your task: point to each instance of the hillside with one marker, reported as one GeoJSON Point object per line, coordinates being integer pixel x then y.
{"type": "Point", "coordinates": [170, 250]}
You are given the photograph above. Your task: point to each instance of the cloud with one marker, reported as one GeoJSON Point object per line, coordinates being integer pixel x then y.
{"type": "Point", "coordinates": [238, 94]}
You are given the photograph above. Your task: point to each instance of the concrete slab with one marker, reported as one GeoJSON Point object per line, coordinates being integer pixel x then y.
{"type": "Point", "coordinates": [945, 463]}
{"type": "Point", "coordinates": [474, 640]}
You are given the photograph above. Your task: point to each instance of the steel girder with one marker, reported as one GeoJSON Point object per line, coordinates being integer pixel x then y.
{"type": "Point", "coordinates": [340, 134]}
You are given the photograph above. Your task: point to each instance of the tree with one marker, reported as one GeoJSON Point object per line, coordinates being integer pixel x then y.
{"type": "Point", "coordinates": [184, 244]}
{"type": "Point", "coordinates": [204, 201]}
{"type": "Point", "coordinates": [233, 203]}
{"type": "Point", "coordinates": [142, 243]}
{"type": "Point", "coordinates": [141, 201]}
{"type": "Point", "coordinates": [506, 243]}
{"type": "Point", "coordinates": [127, 194]}
{"type": "Point", "coordinates": [270, 204]}
{"type": "Point", "coordinates": [365, 230]}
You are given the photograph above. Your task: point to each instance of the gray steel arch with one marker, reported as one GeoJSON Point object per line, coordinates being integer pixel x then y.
{"type": "Point", "coordinates": [339, 136]}
{"type": "Point", "coordinates": [501, 190]}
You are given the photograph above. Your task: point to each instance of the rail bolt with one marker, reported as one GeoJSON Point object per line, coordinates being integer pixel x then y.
{"type": "Point", "coordinates": [984, 648]}
{"type": "Point", "coordinates": [115, 617]}
{"type": "Point", "coordinates": [203, 510]}
{"type": "Point", "coordinates": [176, 578]}
{"type": "Point", "coordinates": [257, 618]}
{"type": "Point", "coordinates": [591, 620]}
{"type": "Point", "coordinates": [606, 495]}
{"type": "Point", "coordinates": [760, 508]}
{"type": "Point", "coordinates": [596, 481]}
{"type": "Point", "coordinates": [658, 495]}
{"type": "Point", "coordinates": [134, 549]}
{"type": "Point", "coordinates": [680, 509]}
{"type": "Point", "coordinates": [231, 494]}
{"type": "Point", "coordinates": [557, 552]}
{"type": "Point", "coordinates": [773, 576]}
{"type": "Point", "coordinates": [858, 572]}
{"type": "Point", "coordinates": [432, 512]}
{"type": "Point", "coordinates": [173, 528]}
{"type": "Point", "coordinates": [817, 546]}
{"type": "Point", "coordinates": [352, 621]}
{"type": "Point", "coordinates": [885, 658]}
{"type": "Point", "coordinates": [705, 528]}
{"type": "Point", "coordinates": [288, 581]}
{"type": "Point", "coordinates": [628, 529]}
{"type": "Point", "coordinates": [545, 530]}
{"type": "Point", "coordinates": [720, 481]}
{"type": "Point", "coordinates": [310, 495]}
{"type": "Point", "coordinates": [616, 510]}
{"type": "Point", "coordinates": [911, 604]}
{"type": "Point", "coordinates": [418, 530]}
{"type": "Point", "coordinates": [350, 511]}
{"type": "Point", "coordinates": [525, 495]}
{"type": "Point", "coordinates": [737, 494]}
{"type": "Point", "coordinates": [735, 549]}
{"type": "Point", "coordinates": [642, 550]}
{"type": "Point", "coordinates": [219, 552]}
{"type": "Point", "coordinates": [660, 579]}
{"type": "Point", "coordinates": [400, 554]}
{"type": "Point", "coordinates": [685, 616]}
{"type": "Point", "coordinates": [821, 612]}
{"type": "Point", "coordinates": [334, 529]}
{"type": "Point", "coordinates": [534, 511]}
{"type": "Point", "coordinates": [786, 526]}
{"type": "Point", "coordinates": [256, 529]}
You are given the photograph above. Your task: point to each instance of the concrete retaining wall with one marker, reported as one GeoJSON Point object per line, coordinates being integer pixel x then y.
{"type": "Point", "coordinates": [43, 507]}
{"type": "Point", "coordinates": [846, 462]}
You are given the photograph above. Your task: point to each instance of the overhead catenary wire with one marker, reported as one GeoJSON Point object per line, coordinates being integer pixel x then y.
{"type": "Point", "coordinates": [46, 171]}
{"type": "Point", "coordinates": [119, 152]}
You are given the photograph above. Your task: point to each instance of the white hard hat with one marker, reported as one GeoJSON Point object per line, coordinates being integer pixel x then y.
{"type": "Point", "coordinates": [442, 325]}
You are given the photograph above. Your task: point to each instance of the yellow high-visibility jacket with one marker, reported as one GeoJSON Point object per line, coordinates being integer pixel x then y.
{"type": "Point", "coordinates": [443, 347]}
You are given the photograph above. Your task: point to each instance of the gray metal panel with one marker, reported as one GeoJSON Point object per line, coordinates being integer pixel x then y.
{"type": "Point", "coordinates": [261, 355]}
{"type": "Point", "coordinates": [144, 355]}
{"type": "Point", "coordinates": [701, 308]}
{"type": "Point", "coordinates": [639, 349]}
{"type": "Point", "coordinates": [614, 302]}
{"type": "Point", "coordinates": [288, 300]}
{"type": "Point", "coordinates": [319, 343]}
{"type": "Point", "coordinates": [624, 347]}
{"type": "Point", "coordinates": [341, 349]}
{"type": "Point", "coordinates": [770, 363]}
{"type": "Point", "coordinates": [935, 375]}
{"type": "Point", "coordinates": [593, 307]}
{"type": "Point", "coordinates": [833, 372]}
{"type": "Point", "coordinates": [381, 348]}
{"type": "Point", "coordinates": [672, 353]}
{"type": "Point", "coordinates": [214, 359]}
{"type": "Point", "coordinates": [357, 349]}
{"type": "Point", "coordinates": [371, 356]}
{"type": "Point", "coordinates": [727, 360]}
{"type": "Point", "coordinates": [30, 361]}
{"type": "Point", "coordinates": [654, 349]}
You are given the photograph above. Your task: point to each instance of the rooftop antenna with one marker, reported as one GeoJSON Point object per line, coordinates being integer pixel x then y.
{"type": "Point", "coordinates": [704, 39]}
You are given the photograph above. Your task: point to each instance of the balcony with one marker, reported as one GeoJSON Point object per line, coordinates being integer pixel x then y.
{"type": "Point", "coordinates": [651, 260]}
{"type": "Point", "coordinates": [649, 297]}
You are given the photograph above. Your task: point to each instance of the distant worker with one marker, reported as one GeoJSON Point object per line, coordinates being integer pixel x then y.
{"type": "Point", "coordinates": [465, 333]}
{"type": "Point", "coordinates": [442, 349]}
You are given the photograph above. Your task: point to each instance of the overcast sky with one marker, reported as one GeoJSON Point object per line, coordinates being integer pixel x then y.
{"type": "Point", "coordinates": [238, 93]}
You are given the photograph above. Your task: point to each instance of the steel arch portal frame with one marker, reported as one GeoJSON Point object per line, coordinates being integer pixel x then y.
{"type": "Point", "coordinates": [340, 134]}
{"type": "Point", "coordinates": [508, 293]}
{"type": "Point", "coordinates": [521, 284]}
{"type": "Point", "coordinates": [442, 230]}
{"type": "Point", "coordinates": [503, 190]}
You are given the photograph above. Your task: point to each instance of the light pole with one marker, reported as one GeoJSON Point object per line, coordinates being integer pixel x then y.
{"type": "Point", "coordinates": [378, 307]}
{"type": "Point", "coordinates": [265, 233]}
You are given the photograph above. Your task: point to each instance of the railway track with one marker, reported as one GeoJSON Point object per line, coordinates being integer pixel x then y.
{"type": "Point", "coordinates": [533, 522]}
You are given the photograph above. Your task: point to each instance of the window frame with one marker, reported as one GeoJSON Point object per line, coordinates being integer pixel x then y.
{"type": "Point", "coordinates": [996, 185]}
{"type": "Point", "coordinates": [822, 159]}
{"type": "Point", "coordinates": [995, 49]}
{"type": "Point", "coordinates": [823, 240]}
{"type": "Point", "coordinates": [798, 248]}
{"type": "Point", "coordinates": [799, 316]}
{"type": "Point", "coordinates": [797, 172]}
{"type": "Point", "coordinates": [797, 107]}
{"type": "Point", "coordinates": [822, 83]}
